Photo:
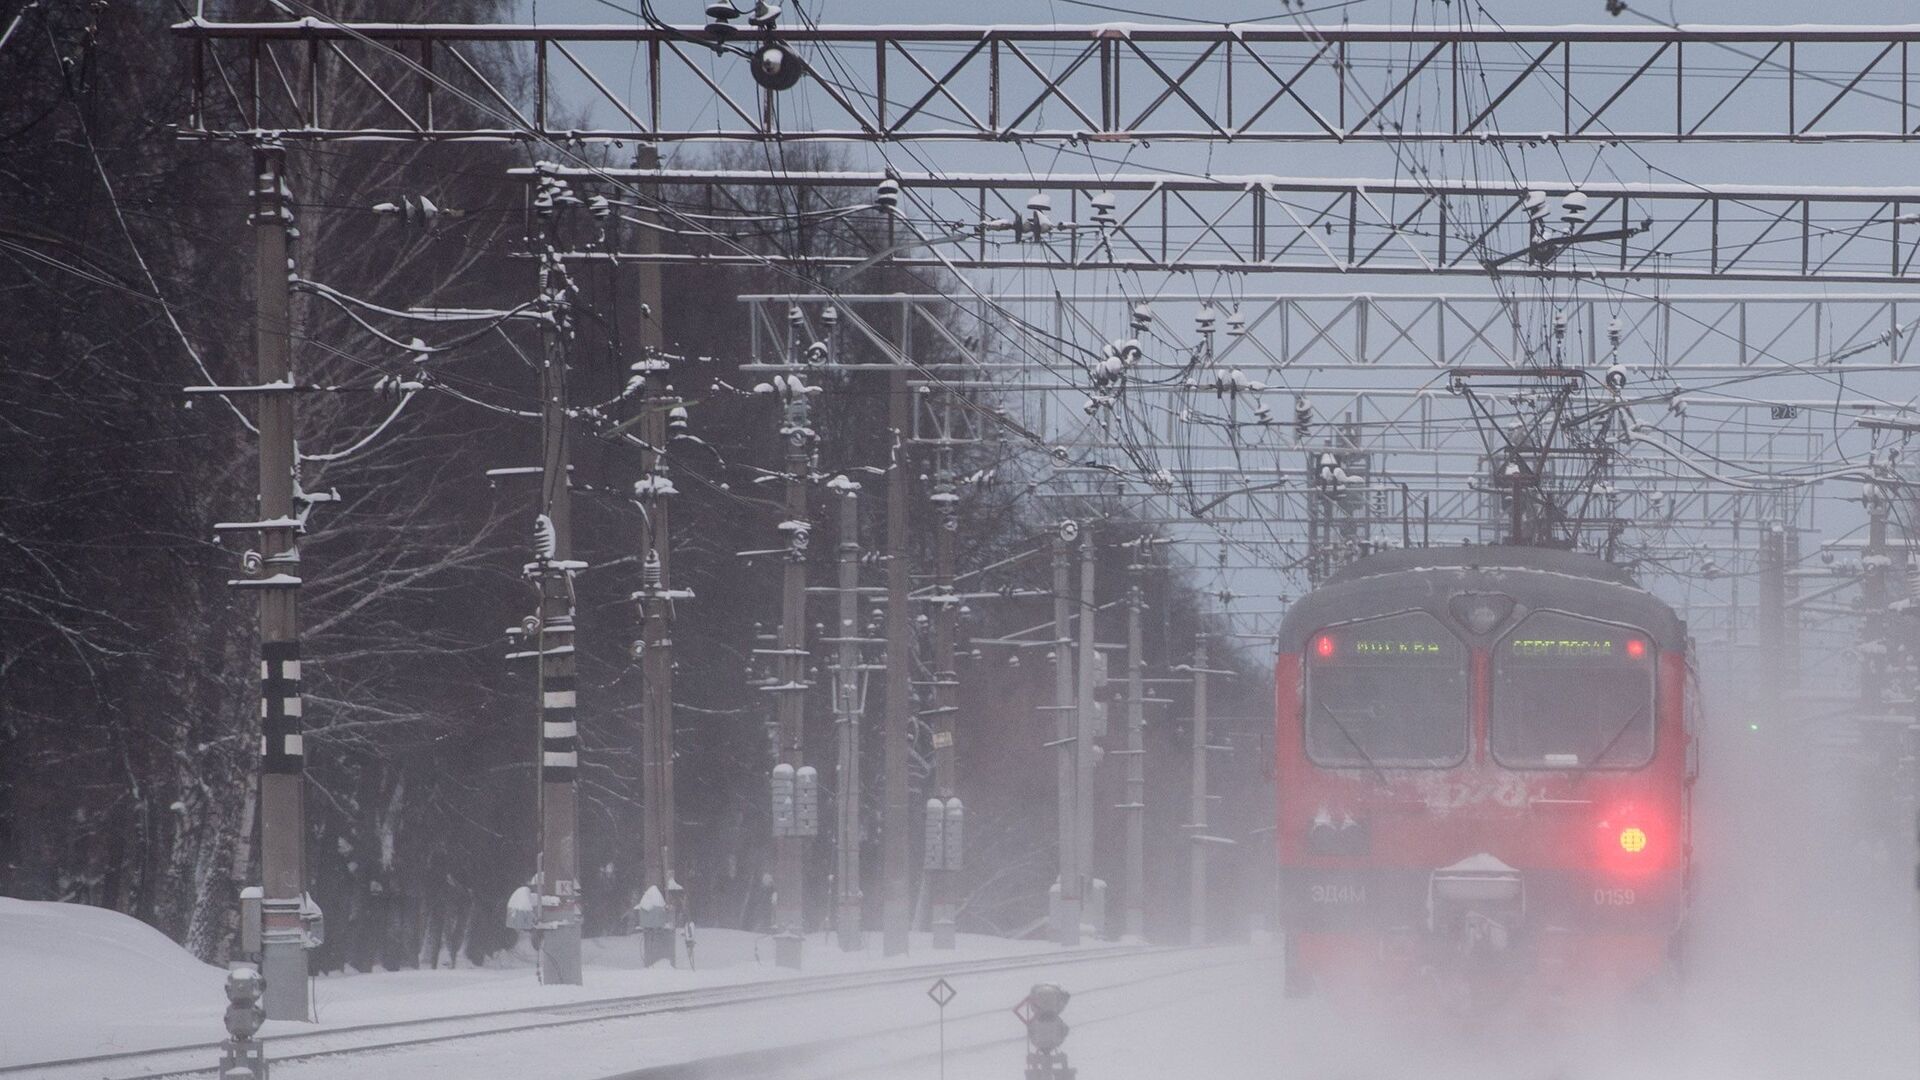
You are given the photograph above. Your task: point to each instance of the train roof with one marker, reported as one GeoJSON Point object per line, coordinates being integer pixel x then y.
{"type": "Point", "coordinates": [1485, 556]}
{"type": "Point", "coordinates": [1428, 578]}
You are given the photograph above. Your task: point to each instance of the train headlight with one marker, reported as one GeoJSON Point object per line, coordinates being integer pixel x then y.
{"type": "Point", "coordinates": [1323, 646]}
{"type": "Point", "coordinates": [1633, 839]}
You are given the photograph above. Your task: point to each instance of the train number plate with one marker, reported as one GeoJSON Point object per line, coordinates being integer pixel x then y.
{"type": "Point", "coordinates": [1613, 897]}
{"type": "Point", "coordinates": [1339, 894]}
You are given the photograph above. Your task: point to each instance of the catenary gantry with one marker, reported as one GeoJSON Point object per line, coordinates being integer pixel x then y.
{"type": "Point", "coordinates": [1297, 81]}
{"type": "Point", "coordinates": [1243, 224]}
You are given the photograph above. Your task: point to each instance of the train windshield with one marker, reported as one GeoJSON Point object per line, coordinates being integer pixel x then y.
{"type": "Point", "coordinates": [1572, 693]}
{"type": "Point", "coordinates": [1387, 692]}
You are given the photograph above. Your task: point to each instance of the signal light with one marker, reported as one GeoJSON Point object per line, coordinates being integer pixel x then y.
{"type": "Point", "coordinates": [1323, 645]}
{"type": "Point", "coordinates": [1636, 648]}
{"type": "Point", "coordinates": [1633, 840]}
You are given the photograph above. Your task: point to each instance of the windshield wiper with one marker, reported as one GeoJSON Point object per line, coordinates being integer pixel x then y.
{"type": "Point", "coordinates": [1608, 748]}
{"type": "Point", "coordinates": [1364, 756]}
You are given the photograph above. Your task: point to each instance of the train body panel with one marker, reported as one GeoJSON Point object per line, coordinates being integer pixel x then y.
{"type": "Point", "coordinates": [1485, 759]}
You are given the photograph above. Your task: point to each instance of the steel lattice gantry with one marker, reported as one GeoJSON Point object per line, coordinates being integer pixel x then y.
{"type": "Point", "coordinates": [1295, 82]}
{"type": "Point", "coordinates": [1425, 331]}
{"type": "Point", "coordinates": [1260, 224]}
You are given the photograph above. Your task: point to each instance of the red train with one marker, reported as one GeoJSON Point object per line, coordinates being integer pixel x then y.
{"type": "Point", "coordinates": [1486, 757]}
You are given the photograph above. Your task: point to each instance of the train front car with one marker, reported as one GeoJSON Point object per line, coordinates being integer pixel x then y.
{"type": "Point", "coordinates": [1485, 759]}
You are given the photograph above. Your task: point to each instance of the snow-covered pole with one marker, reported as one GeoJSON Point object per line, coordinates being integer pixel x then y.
{"type": "Point", "coordinates": [847, 702]}
{"type": "Point", "coordinates": [1136, 805]}
{"type": "Point", "coordinates": [1197, 812]}
{"type": "Point", "coordinates": [946, 682]}
{"type": "Point", "coordinates": [641, 300]}
{"type": "Point", "coordinates": [282, 758]}
{"type": "Point", "coordinates": [896, 812]}
{"type": "Point", "coordinates": [1086, 722]}
{"type": "Point", "coordinates": [792, 845]}
{"type": "Point", "coordinates": [558, 897]}
{"type": "Point", "coordinates": [1066, 908]}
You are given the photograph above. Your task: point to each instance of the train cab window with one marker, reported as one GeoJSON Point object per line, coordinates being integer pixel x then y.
{"type": "Point", "coordinates": [1387, 692]}
{"type": "Point", "coordinates": [1572, 693]}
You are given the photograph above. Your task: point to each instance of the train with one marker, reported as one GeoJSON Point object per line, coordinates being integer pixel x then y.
{"type": "Point", "coordinates": [1485, 763]}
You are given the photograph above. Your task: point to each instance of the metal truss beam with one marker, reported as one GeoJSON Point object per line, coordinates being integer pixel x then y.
{"type": "Point", "coordinates": [1285, 83]}
{"type": "Point", "coordinates": [1433, 331]}
{"type": "Point", "coordinates": [1266, 224]}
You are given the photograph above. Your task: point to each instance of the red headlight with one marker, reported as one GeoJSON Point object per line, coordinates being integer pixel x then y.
{"type": "Point", "coordinates": [1636, 648]}
{"type": "Point", "coordinates": [1323, 646]}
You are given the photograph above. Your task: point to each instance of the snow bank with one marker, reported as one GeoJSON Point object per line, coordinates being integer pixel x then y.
{"type": "Point", "coordinates": [77, 981]}
{"type": "Point", "coordinates": [83, 980]}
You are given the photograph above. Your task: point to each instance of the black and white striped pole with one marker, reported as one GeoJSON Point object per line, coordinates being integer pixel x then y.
{"type": "Point", "coordinates": [275, 572]}
{"type": "Point", "coordinates": [557, 897]}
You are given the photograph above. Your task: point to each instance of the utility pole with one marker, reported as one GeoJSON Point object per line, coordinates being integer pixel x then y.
{"type": "Point", "coordinates": [1085, 733]}
{"type": "Point", "coordinates": [1771, 613]}
{"type": "Point", "coordinates": [847, 707]}
{"type": "Point", "coordinates": [1198, 840]}
{"type": "Point", "coordinates": [283, 759]}
{"type": "Point", "coordinates": [946, 680]}
{"type": "Point", "coordinates": [1873, 591]}
{"type": "Point", "coordinates": [895, 910]}
{"type": "Point", "coordinates": [1067, 910]}
{"type": "Point", "coordinates": [656, 599]}
{"type": "Point", "coordinates": [1136, 804]}
{"type": "Point", "coordinates": [558, 874]}
{"type": "Point", "coordinates": [794, 840]}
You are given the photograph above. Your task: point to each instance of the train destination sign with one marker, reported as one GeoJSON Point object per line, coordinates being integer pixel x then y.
{"type": "Point", "coordinates": [1388, 647]}
{"type": "Point", "coordinates": [1544, 648]}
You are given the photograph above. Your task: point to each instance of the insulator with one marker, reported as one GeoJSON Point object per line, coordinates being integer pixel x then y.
{"type": "Point", "coordinates": [1573, 208]}
{"type": "Point", "coordinates": [794, 316]}
{"type": "Point", "coordinates": [1536, 205]}
{"type": "Point", "coordinates": [1236, 323]}
{"type": "Point", "coordinates": [1103, 204]}
{"type": "Point", "coordinates": [886, 194]}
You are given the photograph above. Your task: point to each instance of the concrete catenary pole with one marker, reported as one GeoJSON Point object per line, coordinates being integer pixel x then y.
{"type": "Point", "coordinates": [1086, 731]}
{"type": "Point", "coordinates": [895, 905]}
{"type": "Point", "coordinates": [1198, 841]}
{"type": "Point", "coordinates": [656, 607]}
{"type": "Point", "coordinates": [1136, 804]}
{"type": "Point", "coordinates": [553, 565]}
{"type": "Point", "coordinates": [1067, 910]}
{"type": "Point", "coordinates": [283, 758]}
{"type": "Point", "coordinates": [946, 682]}
{"type": "Point", "coordinates": [847, 708]}
{"type": "Point", "coordinates": [1771, 617]}
{"type": "Point", "coordinates": [793, 843]}
{"type": "Point", "coordinates": [1874, 590]}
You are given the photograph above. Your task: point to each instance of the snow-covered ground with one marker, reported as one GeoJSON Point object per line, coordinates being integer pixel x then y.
{"type": "Point", "coordinates": [81, 981]}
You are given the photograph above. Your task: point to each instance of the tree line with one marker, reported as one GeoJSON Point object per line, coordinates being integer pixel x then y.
{"type": "Point", "coordinates": [127, 724]}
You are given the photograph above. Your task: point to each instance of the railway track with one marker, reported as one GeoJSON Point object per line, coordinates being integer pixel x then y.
{"type": "Point", "coordinates": [163, 1063]}
{"type": "Point", "coordinates": [843, 1056]}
